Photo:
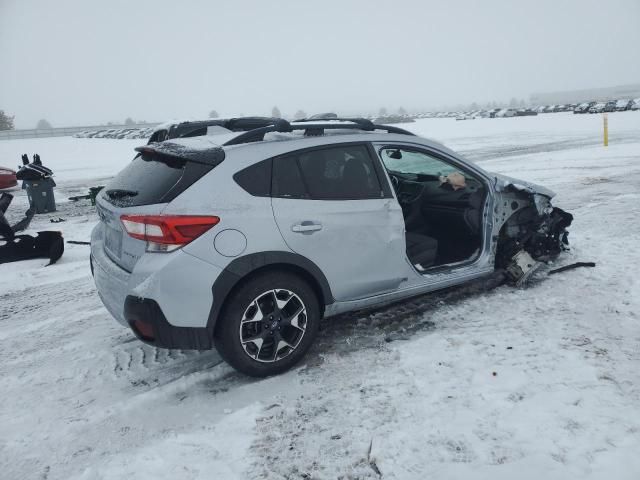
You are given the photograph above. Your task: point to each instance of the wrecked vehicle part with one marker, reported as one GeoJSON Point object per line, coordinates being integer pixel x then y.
{"type": "Point", "coordinates": [537, 194]}
{"type": "Point", "coordinates": [534, 227]}
{"type": "Point", "coordinates": [8, 231]}
{"type": "Point", "coordinates": [521, 267]}
{"type": "Point", "coordinates": [543, 237]}
{"type": "Point", "coordinates": [572, 266]}
{"type": "Point", "coordinates": [5, 229]}
{"type": "Point", "coordinates": [506, 183]}
{"type": "Point", "coordinates": [26, 247]}
{"type": "Point", "coordinates": [14, 247]}
{"type": "Point", "coordinates": [33, 171]}
{"type": "Point", "coordinates": [5, 201]}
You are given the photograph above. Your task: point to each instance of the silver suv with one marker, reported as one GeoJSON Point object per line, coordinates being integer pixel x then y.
{"type": "Point", "coordinates": [242, 239]}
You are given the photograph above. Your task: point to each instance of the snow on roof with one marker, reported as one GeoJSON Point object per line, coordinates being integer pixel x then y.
{"type": "Point", "coordinates": [204, 149]}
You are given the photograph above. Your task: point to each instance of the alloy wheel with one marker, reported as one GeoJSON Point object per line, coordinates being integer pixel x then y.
{"type": "Point", "coordinates": [273, 325]}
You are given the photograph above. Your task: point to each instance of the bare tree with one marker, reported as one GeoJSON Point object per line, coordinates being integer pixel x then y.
{"type": "Point", "coordinates": [6, 122]}
{"type": "Point", "coordinates": [213, 114]}
{"type": "Point", "coordinates": [43, 125]}
{"type": "Point", "coordinates": [129, 121]}
{"type": "Point", "coordinates": [275, 112]}
{"type": "Point", "coordinates": [300, 114]}
{"type": "Point", "coordinates": [382, 112]}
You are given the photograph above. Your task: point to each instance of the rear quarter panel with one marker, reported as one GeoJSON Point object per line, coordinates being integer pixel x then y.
{"type": "Point", "coordinates": [243, 217]}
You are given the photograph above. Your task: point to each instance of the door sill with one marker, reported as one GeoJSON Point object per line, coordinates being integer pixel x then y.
{"type": "Point", "coordinates": [448, 266]}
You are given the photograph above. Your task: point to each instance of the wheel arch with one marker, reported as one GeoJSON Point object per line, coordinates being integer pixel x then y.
{"type": "Point", "coordinates": [242, 269]}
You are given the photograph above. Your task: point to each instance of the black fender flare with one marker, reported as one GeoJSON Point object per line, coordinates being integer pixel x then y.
{"type": "Point", "coordinates": [241, 267]}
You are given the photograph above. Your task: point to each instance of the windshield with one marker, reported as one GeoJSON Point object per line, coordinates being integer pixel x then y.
{"type": "Point", "coordinates": [417, 163]}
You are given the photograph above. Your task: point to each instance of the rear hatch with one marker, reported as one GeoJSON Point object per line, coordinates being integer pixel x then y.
{"type": "Point", "coordinates": [145, 186]}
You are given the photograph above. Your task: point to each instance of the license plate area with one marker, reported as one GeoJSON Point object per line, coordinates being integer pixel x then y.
{"type": "Point", "coordinates": [113, 241]}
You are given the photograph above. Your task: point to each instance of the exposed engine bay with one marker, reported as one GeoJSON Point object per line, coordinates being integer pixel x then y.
{"type": "Point", "coordinates": [534, 234]}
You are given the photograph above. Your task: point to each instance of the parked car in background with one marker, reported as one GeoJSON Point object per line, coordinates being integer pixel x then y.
{"type": "Point", "coordinates": [104, 133]}
{"type": "Point", "coordinates": [526, 112]}
{"type": "Point", "coordinates": [7, 178]}
{"type": "Point", "coordinates": [597, 108]}
{"type": "Point", "coordinates": [610, 106]}
{"type": "Point", "coordinates": [506, 113]}
{"type": "Point", "coordinates": [636, 104]}
{"type": "Point", "coordinates": [583, 107]}
{"type": "Point", "coordinates": [123, 133]}
{"type": "Point", "coordinates": [623, 105]}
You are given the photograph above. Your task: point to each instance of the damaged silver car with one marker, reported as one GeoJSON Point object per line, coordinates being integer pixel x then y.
{"type": "Point", "coordinates": [244, 237]}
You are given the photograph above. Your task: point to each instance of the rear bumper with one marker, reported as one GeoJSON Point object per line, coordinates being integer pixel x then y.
{"type": "Point", "coordinates": [171, 294]}
{"type": "Point", "coordinates": [146, 319]}
{"type": "Point", "coordinates": [111, 281]}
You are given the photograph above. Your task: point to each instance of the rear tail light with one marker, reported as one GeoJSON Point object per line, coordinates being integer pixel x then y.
{"type": "Point", "coordinates": [164, 233]}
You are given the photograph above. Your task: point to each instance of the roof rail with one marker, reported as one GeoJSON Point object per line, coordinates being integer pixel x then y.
{"type": "Point", "coordinates": [281, 125]}
{"type": "Point", "coordinates": [196, 128]}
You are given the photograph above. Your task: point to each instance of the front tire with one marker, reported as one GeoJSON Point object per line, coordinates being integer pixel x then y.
{"type": "Point", "coordinates": [268, 324]}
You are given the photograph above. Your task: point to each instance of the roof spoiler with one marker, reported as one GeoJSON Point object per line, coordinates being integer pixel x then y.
{"type": "Point", "coordinates": [212, 156]}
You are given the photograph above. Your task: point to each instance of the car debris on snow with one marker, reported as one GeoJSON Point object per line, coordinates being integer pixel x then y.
{"type": "Point", "coordinates": [24, 247]}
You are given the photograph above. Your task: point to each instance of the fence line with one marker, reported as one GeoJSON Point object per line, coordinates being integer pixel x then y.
{"type": "Point", "coordinates": [65, 131]}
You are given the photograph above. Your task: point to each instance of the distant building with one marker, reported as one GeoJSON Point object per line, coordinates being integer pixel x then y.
{"type": "Point", "coordinates": [587, 95]}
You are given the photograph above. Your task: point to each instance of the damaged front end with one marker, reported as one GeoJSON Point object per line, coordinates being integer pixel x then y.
{"type": "Point", "coordinates": [532, 231]}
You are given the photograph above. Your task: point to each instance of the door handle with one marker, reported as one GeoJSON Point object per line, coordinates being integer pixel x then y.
{"type": "Point", "coordinates": [306, 227]}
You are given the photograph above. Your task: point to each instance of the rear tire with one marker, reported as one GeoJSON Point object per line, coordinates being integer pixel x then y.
{"type": "Point", "coordinates": [268, 324]}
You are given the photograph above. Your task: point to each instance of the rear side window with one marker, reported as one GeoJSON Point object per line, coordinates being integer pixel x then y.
{"type": "Point", "coordinates": [336, 173]}
{"type": "Point", "coordinates": [150, 179]}
{"type": "Point", "coordinates": [256, 179]}
{"type": "Point", "coordinates": [287, 181]}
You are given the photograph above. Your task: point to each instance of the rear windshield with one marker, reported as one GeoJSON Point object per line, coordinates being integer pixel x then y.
{"type": "Point", "coordinates": [152, 178]}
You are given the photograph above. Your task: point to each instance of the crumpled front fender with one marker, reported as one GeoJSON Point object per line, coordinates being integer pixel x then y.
{"type": "Point", "coordinates": [506, 183]}
{"type": "Point", "coordinates": [539, 196]}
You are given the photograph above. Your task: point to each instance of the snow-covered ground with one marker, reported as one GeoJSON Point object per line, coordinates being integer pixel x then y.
{"type": "Point", "coordinates": [542, 382]}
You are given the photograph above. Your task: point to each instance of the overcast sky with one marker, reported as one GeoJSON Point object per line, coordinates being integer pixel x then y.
{"type": "Point", "coordinates": [79, 62]}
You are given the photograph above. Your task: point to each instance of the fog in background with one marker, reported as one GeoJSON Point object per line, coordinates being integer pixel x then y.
{"type": "Point", "coordinates": [78, 62]}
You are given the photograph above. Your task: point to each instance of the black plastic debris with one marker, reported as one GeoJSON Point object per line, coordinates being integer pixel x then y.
{"type": "Point", "coordinates": [8, 231]}
{"type": "Point", "coordinates": [14, 247]}
{"type": "Point", "coordinates": [93, 193]}
{"type": "Point", "coordinates": [33, 171]}
{"type": "Point", "coordinates": [572, 266]}
{"type": "Point", "coordinates": [25, 247]}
